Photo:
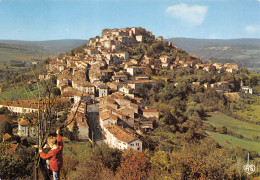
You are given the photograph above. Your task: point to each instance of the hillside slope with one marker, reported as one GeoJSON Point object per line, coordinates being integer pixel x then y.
{"type": "Point", "coordinates": [244, 52]}
{"type": "Point", "coordinates": [24, 50]}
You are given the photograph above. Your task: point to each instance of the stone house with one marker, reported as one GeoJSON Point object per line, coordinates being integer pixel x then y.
{"type": "Point", "coordinates": [209, 68]}
{"type": "Point", "coordinates": [21, 106]}
{"type": "Point", "coordinates": [26, 129]}
{"type": "Point", "coordinates": [134, 70]}
{"type": "Point", "coordinates": [87, 88]}
{"type": "Point", "coordinates": [221, 86]}
{"type": "Point", "coordinates": [138, 84]}
{"type": "Point", "coordinates": [107, 119]}
{"type": "Point", "coordinates": [122, 54]}
{"type": "Point", "coordinates": [232, 70]}
{"type": "Point", "coordinates": [139, 38]}
{"type": "Point", "coordinates": [247, 89]}
{"type": "Point", "coordinates": [165, 65]}
{"type": "Point", "coordinates": [159, 38]}
{"type": "Point", "coordinates": [114, 86]}
{"type": "Point", "coordinates": [102, 91]}
{"type": "Point", "coordinates": [120, 78]}
{"type": "Point", "coordinates": [231, 66]}
{"type": "Point", "coordinates": [91, 51]}
{"type": "Point", "coordinates": [127, 111]}
{"type": "Point", "coordinates": [150, 113]}
{"type": "Point", "coordinates": [165, 59]}
{"type": "Point", "coordinates": [118, 137]}
{"type": "Point", "coordinates": [126, 89]}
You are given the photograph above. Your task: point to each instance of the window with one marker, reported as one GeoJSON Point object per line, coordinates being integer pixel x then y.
{"type": "Point", "coordinates": [138, 149]}
{"type": "Point", "coordinates": [137, 144]}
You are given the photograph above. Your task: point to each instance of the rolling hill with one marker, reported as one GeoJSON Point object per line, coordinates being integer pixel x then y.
{"type": "Point", "coordinates": [26, 50]}
{"type": "Point", "coordinates": [244, 52]}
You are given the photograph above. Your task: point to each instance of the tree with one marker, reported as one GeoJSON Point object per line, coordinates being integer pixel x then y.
{"type": "Point", "coordinates": [134, 166]}
{"type": "Point", "coordinates": [75, 131]}
{"type": "Point", "coordinates": [161, 161]}
{"type": "Point", "coordinates": [56, 91]}
{"type": "Point", "coordinates": [6, 127]}
{"type": "Point", "coordinates": [109, 157]}
{"type": "Point", "coordinates": [4, 110]}
{"type": "Point", "coordinates": [16, 165]}
{"type": "Point", "coordinates": [203, 160]}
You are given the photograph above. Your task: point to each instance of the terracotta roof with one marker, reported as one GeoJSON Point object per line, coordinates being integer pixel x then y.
{"type": "Point", "coordinates": [119, 76]}
{"type": "Point", "coordinates": [87, 85]}
{"type": "Point", "coordinates": [140, 81]}
{"type": "Point", "coordinates": [11, 149]}
{"type": "Point", "coordinates": [137, 99]}
{"type": "Point", "coordinates": [150, 110]}
{"type": "Point", "coordinates": [33, 104]}
{"type": "Point", "coordinates": [107, 71]}
{"type": "Point", "coordinates": [223, 82]}
{"type": "Point", "coordinates": [80, 123]}
{"type": "Point", "coordinates": [6, 136]}
{"type": "Point", "coordinates": [23, 123]}
{"type": "Point", "coordinates": [120, 133]}
{"type": "Point", "coordinates": [73, 93]}
{"type": "Point", "coordinates": [108, 115]}
{"type": "Point", "coordinates": [137, 67]}
{"type": "Point", "coordinates": [134, 105]}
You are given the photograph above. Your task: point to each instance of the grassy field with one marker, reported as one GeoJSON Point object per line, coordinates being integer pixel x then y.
{"type": "Point", "coordinates": [15, 93]}
{"type": "Point", "coordinates": [231, 141]}
{"type": "Point", "coordinates": [246, 129]}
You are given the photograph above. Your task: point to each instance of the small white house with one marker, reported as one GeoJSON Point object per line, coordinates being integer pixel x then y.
{"type": "Point", "coordinates": [107, 119]}
{"type": "Point", "coordinates": [247, 89]}
{"type": "Point", "coordinates": [118, 137]}
{"type": "Point", "coordinates": [25, 129]}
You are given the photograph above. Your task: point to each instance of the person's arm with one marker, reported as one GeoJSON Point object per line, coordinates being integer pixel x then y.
{"type": "Point", "coordinates": [59, 139]}
{"type": "Point", "coordinates": [46, 156]}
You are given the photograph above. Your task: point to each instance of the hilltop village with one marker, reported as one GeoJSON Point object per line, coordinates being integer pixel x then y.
{"type": "Point", "coordinates": [106, 75]}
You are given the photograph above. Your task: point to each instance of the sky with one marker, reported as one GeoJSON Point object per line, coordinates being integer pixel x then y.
{"type": "Point", "coordinates": [34, 20]}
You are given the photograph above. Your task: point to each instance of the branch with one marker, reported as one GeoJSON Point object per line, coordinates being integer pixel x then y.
{"type": "Point", "coordinates": [62, 126]}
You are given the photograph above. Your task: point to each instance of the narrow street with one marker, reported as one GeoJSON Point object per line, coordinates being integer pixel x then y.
{"type": "Point", "coordinates": [94, 128]}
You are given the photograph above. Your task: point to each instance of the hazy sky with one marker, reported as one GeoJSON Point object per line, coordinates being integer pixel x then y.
{"type": "Point", "coordinates": [82, 19]}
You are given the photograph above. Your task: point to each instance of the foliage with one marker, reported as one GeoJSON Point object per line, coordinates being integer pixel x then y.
{"type": "Point", "coordinates": [4, 110]}
{"type": "Point", "coordinates": [6, 127]}
{"type": "Point", "coordinates": [16, 165]}
{"type": "Point", "coordinates": [133, 166]}
{"type": "Point", "coordinates": [75, 131]}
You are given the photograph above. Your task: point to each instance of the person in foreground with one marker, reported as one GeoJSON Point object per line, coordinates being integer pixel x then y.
{"type": "Point", "coordinates": [54, 156]}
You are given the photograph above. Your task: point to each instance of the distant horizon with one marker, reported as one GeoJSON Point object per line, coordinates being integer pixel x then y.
{"type": "Point", "coordinates": [93, 37]}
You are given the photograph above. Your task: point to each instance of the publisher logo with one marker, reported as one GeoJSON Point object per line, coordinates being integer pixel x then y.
{"type": "Point", "coordinates": [249, 168]}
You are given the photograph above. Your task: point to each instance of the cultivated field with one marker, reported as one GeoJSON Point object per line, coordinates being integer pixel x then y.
{"type": "Point", "coordinates": [234, 142]}
{"type": "Point", "coordinates": [247, 130]}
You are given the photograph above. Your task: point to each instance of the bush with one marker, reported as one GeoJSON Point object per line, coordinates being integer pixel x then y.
{"type": "Point", "coordinates": [19, 164]}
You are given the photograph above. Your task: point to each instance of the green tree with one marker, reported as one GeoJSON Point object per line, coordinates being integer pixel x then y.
{"type": "Point", "coordinates": [16, 164]}
{"type": "Point", "coordinates": [75, 131]}
{"type": "Point", "coordinates": [161, 161]}
{"type": "Point", "coordinates": [6, 127]}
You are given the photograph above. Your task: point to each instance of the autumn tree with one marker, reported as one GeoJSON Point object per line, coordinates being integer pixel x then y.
{"type": "Point", "coordinates": [133, 166]}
